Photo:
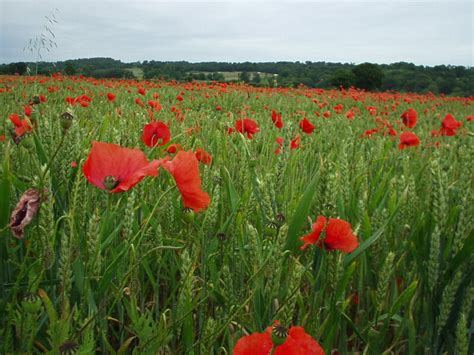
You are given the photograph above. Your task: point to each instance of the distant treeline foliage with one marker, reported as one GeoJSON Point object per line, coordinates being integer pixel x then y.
{"type": "Point", "coordinates": [404, 77]}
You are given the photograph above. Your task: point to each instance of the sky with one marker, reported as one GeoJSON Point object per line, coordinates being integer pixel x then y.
{"type": "Point", "coordinates": [424, 32]}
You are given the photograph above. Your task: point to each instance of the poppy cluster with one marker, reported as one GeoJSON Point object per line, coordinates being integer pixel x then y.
{"type": "Point", "coordinates": [117, 169]}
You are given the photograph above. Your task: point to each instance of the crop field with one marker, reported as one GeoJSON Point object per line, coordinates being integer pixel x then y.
{"type": "Point", "coordinates": [169, 218]}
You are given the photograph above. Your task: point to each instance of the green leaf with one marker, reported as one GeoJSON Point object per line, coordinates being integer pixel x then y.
{"type": "Point", "coordinates": [5, 190]}
{"type": "Point", "coordinates": [300, 216]}
{"type": "Point", "coordinates": [404, 298]}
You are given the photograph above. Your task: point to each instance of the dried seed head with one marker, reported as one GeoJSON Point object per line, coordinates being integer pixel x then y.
{"type": "Point", "coordinates": [24, 212]}
{"type": "Point", "coordinates": [221, 236]}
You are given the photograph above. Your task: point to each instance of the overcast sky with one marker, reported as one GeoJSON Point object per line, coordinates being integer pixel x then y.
{"type": "Point", "coordinates": [423, 32]}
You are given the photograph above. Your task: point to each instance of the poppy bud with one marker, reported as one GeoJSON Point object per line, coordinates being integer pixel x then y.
{"type": "Point", "coordinates": [31, 303]}
{"type": "Point", "coordinates": [188, 215]}
{"type": "Point", "coordinates": [27, 141]}
{"type": "Point", "coordinates": [110, 182]}
{"type": "Point", "coordinates": [279, 334]}
{"type": "Point", "coordinates": [66, 120]}
{"type": "Point", "coordinates": [271, 228]}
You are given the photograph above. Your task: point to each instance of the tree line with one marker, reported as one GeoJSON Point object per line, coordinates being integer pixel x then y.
{"type": "Point", "coordinates": [402, 76]}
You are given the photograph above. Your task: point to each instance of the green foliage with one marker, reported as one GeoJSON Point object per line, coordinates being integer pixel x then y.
{"type": "Point", "coordinates": [368, 76]}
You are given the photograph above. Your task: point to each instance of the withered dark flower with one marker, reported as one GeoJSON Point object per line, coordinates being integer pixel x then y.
{"type": "Point", "coordinates": [24, 212]}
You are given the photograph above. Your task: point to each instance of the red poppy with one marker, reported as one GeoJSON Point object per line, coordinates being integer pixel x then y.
{"type": "Point", "coordinates": [218, 108]}
{"type": "Point", "coordinates": [409, 118]}
{"type": "Point", "coordinates": [155, 132]}
{"type": "Point", "coordinates": [117, 169]}
{"type": "Point", "coordinates": [179, 98]}
{"type": "Point", "coordinates": [307, 126]}
{"type": "Point", "coordinates": [247, 126]}
{"type": "Point", "coordinates": [327, 114]}
{"type": "Point", "coordinates": [408, 139]}
{"type": "Point", "coordinates": [350, 115]}
{"type": "Point", "coordinates": [155, 105]}
{"type": "Point", "coordinates": [110, 97]}
{"type": "Point", "coordinates": [450, 125]}
{"type": "Point", "coordinates": [28, 110]}
{"type": "Point", "coordinates": [139, 102]}
{"type": "Point", "coordinates": [339, 235]}
{"type": "Point", "coordinates": [279, 141]}
{"type": "Point", "coordinates": [276, 118]}
{"type": "Point", "coordinates": [2, 137]}
{"type": "Point", "coordinates": [42, 98]}
{"type": "Point", "coordinates": [141, 91]}
{"type": "Point", "coordinates": [185, 170]}
{"type": "Point", "coordinates": [22, 126]}
{"type": "Point", "coordinates": [295, 143]}
{"type": "Point", "coordinates": [470, 118]}
{"type": "Point", "coordinates": [298, 342]}
{"type": "Point", "coordinates": [173, 148]}
{"type": "Point", "coordinates": [203, 156]}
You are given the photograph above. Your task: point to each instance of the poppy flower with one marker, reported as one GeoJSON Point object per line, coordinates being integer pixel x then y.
{"type": "Point", "coordinates": [307, 126]}
{"type": "Point", "coordinates": [141, 91]}
{"type": "Point", "coordinates": [276, 118]}
{"type": "Point", "coordinates": [28, 110]}
{"type": "Point", "coordinates": [156, 133]}
{"type": "Point", "coordinates": [218, 108]}
{"type": "Point", "coordinates": [22, 126]}
{"type": "Point", "coordinates": [247, 126]}
{"type": "Point", "coordinates": [110, 97]}
{"type": "Point", "coordinates": [297, 342]}
{"type": "Point", "coordinates": [117, 169]}
{"type": "Point", "coordinates": [470, 118]}
{"type": "Point", "coordinates": [24, 212]}
{"type": "Point", "coordinates": [409, 118]}
{"type": "Point", "coordinates": [173, 148]}
{"type": "Point", "coordinates": [450, 125]}
{"type": "Point", "coordinates": [279, 141]}
{"type": "Point", "coordinates": [295, 143]}
{"type": "Point", "coordinates": [339, 235]}
{"type": "Point", "coordinates": [408, 139]}
{"type": "Point", "coordinates": [185, 170]}
{"type": "Point", "coordinates": [139, 102]}
{"type": "Point", "coordinates": [203, 156]}
{"type": "Point", "coordinates": [350, 115]}
{"type": "Point", "coordinates": [155, 105]}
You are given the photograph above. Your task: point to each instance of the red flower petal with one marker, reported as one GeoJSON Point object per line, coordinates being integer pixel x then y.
{"type": "Point", "coordinates": [313, 237]}
{"type": "Point", "coordinates": [185, 170]}
{"type": "Point", "coordinates": [156, 133]}
{"type": "Point", "coordinates": [339, 236]}
{"type": "Point", "coordinates": [127, 166]}
{"type": "Point", "coordinates": [254, 344]}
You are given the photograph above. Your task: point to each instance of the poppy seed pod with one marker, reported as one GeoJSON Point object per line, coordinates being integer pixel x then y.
{"type": "Point", "coordinates": [66, 120]}
{"type": "Point", "coordinates": [271, 229]}
{"type": "Point", "coordinates": [188, 215]}
{"type": "Point", "coordinates": [110, 182]}
{"type": "Point", "coordinates": [31, 303]}
{"type": "Point", "coordinates": [279, 334]}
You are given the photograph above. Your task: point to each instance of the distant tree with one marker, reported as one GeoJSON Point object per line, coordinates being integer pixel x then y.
{"type": "Point", "coordinates": [344, 78]}
{"type": "Point", "coordinates": [368, 76]}
{"type": "Point", "coordinates": [69, 69]}
{"type": "Point", "coordinates": [244, 76]}
{"type": "Point", "coordinates": [256, 78]}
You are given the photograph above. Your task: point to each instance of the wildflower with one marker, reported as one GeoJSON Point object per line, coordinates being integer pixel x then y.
{"type": "Point", "coordinates": [173, 148]}
{"type": "Point", "coordinates": [203, 156]}
{"type": "Point", "coordinates": [117, 169]}
{"type": "Point", "coordinates": [156, 133]}
{"type": "Point", "coordinates": [22, 126]}
{"type": "Point", "coordinates": [338, 235]}
{"type": "Point", "coordinates": [307, 126]}
{"type": "Point", "coordinates": [247, 126]}
{"type": "Point", "coordinates": [141, 91]}
{"type": "Point", "coordinates": [409, 118]}
{"type": "Point", "coordinates": [279, 341]}
{"type": "Point", "coordinates": [185, 170]}
{"type": "Point", "coordinates": [110, 97]}
{"type": "Point", "coordinates": [295, 143]}
{"type": "Point", "coordinates": [408, 139]}
{"type": "Point", "coordinates": [155, 105]}
{"type": "Point", "coordinates": [450, 125]}
{"type": "Point", "coordinates": [279, 141]}
{"type": "Point", "coordinates": [276, 118]}
{"type": "Point", "coordinates": [24, 212]}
